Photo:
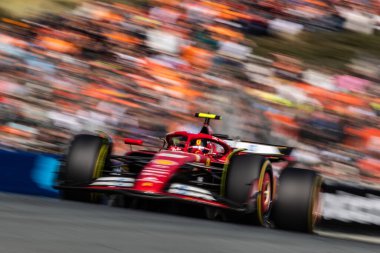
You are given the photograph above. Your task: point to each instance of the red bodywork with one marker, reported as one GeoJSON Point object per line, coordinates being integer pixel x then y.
{"type": "Point", "coordinates": [158, 171]}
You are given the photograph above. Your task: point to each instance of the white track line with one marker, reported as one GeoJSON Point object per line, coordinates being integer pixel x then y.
{"type": "Point", "coordinates": [356, 237]}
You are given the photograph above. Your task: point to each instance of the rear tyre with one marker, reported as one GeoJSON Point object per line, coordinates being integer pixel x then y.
{"type": "Point", "coordinates": [85, 161]}
{"type": "Point", "coordinates": [297, 204]}
{"type": "Point", "coordinates": [249, 182]}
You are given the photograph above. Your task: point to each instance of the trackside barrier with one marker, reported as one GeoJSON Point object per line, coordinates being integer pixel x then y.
{"type": "Point", "coordinates": [353, 206]}
{"type": "Point", "coordinates": [28, 173]}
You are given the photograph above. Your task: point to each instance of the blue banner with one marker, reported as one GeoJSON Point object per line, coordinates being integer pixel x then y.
{"type": "Point", "coordinates": [28, 173]}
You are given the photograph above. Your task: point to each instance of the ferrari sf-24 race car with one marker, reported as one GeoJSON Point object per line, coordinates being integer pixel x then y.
{"type": "Point", "coordinates": [227, 177]}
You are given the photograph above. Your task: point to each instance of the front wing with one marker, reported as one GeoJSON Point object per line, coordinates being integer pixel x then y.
{"type": "Point", "coordinates": [176, 192]}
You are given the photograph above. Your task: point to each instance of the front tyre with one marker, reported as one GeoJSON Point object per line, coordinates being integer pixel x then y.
{"type": "Point", "coordinates": [85, 161]}
{"type": "Point", "coordinates": [297, 204]}
{"type": "Point", "coordinates": [249, 182]}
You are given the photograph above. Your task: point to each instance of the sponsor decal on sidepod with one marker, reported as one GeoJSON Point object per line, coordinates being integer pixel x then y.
{"type": "Point", "coordinates": [164, 162]}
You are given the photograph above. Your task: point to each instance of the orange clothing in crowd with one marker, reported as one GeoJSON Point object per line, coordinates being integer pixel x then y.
{"type": "Point", "coordinates": [121, 37]}
{"type": "Point", "coordinates": [283, 124]}
{"type": "Point", "coordinates": [15, 132]}
{"type": "Point", "coordinates": [370, 166]}
{"type": "Point", "coordinates": [57, 45]}
{"type": "Point", "coordinates": [220, 31]}
{"type": "Point", "coordinates": [198, 57]}
{"type": "Point", "coordinates": [367, 138]}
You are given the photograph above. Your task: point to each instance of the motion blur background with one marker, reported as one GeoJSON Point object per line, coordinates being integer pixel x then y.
{"type": "Point", "coordinates": [303, 73]}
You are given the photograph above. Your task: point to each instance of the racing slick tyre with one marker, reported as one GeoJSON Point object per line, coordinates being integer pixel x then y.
{"type": "Point", "coordinates": [249, 182]}
{"type": "Point", "coordinates": [297, 204]}
{"type": "Point", "coordinates": [85, 160]}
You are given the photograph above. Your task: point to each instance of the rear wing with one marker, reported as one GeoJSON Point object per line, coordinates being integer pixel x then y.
{"type": "Point", "coordinates": [260, 148]}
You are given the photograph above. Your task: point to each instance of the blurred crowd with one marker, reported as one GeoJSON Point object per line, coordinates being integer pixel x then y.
{"type": "Point", "coordinates": [144, 71]}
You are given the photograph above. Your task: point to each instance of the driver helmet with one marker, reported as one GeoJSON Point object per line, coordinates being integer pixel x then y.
{"type": "Point", "coordinates": [199, 146]}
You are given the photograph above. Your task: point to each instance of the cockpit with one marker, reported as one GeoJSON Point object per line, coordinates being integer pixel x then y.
{"type": "Point", "coordinates": [204, 142]}
{"type": "Point", "coordinates": [196, 143]}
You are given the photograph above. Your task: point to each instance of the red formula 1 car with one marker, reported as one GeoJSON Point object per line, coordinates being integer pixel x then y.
{"type": "Point", "coordinates": [227, 177]}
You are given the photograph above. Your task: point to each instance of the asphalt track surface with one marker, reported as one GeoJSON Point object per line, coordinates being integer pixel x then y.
{"type": "Point", "coordinates": [33, 224]}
